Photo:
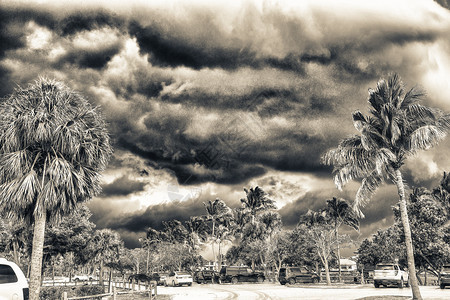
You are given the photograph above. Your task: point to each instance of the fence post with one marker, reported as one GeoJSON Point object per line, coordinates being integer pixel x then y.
{"type": "Point", "coordinates": [114, 293]}
{"type": "Point", "coordinates": [64, 296]}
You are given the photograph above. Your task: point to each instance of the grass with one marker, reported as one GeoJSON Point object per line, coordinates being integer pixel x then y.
{"type": "Point", "coordinates": [141, 296]}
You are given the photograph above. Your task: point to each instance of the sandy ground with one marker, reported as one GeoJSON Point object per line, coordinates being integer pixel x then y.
{"type": "Point", "coordinates": [277, 291]}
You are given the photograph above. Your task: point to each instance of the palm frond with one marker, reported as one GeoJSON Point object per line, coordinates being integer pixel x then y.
{"type": "Point", "coordinates": [425, 137]}
{"type": "Point", "coordinates": [359, 121]}
{"type": "Point", "coordinates": [411, 97]}
{"type": "Point", "coordinates": [416, 111]}
{"type": "Point", "coordinates": [365, 192]}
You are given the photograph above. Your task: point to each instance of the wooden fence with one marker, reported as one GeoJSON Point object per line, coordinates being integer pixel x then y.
{"type": "Point", "coordinates": [128, 288]}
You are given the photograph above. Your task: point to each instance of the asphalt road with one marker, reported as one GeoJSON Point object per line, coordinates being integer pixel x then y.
{"type": "Point", "coordinates": [278, 292]}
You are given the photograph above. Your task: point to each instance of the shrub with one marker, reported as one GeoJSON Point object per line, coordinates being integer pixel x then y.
{"type": "Point", "coordinates": [56, 292]}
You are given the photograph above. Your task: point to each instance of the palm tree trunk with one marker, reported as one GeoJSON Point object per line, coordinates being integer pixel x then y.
{"type": "Point", "coordinates": [327, 271]}
{"type": "Point", "coordinates": [338, 249]}
{"type": "Point", "coordinates": [15, 253]}
{"type": "Point", "coordinates": [408, 238]}
{"type": "Point", "coordinates": [213, 244]}
{"type": "Point", "coordinates": [36, 256]}
{"type": "Point", "coordinates": [100, 279]}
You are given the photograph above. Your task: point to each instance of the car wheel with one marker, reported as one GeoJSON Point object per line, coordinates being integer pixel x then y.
{"type": "Point", "coordinates": [173, 283]}
{"type": "Point", "coordinates": [189, 284]}
{"type": "Point", "coordinates": [315, 280]}
{"type": "Point", "coordinates": [260, 279]}
{"type": "Point", "coordinates": [400, 284]}
{"type": "Point", "coordinates": [234, 280]}
{"type": "Point", "coordinates": [77, 280]}
{"type": "Point", "coordinates": [442, 286]}
{"type": "Point", "coordinates": [165, 283]}
{"type": "Point", "coordinates": [376, 285]}
{"type": "Point", "coordinates": [219, 280]}
{"type": "Point", "coordinates": [282, 282]}
{"type": "Point", "coordinates": [291, 280]}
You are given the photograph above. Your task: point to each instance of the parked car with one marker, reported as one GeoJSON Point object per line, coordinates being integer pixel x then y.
{"type": "Point", "coordinates": [236, 274]}
{"type": "Point", "coordinates": [444, 276]}
{"type": "Point", "coordinates": [204, 276]}
{"type": "Point", "coordinates": [390, 274]}
{"type": "Point", "coordinates": [293, 275]}
{"type": "Point", "coordinates": [143, 277]}
{"type": "Point", "coordinates": [178, 278]}
{"type": "Point", "coordinates": [162, 278]}
{"type": "Point", "coordinates": [13, 284]}
{"type": "Point", "coordinates": [78, 278]}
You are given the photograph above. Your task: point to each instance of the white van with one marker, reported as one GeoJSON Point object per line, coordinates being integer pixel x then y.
{"type": "Point", "coordinates": [13, 284]}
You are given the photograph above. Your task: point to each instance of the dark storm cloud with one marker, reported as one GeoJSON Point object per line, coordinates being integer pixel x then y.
{"type": "Point", "coordinates": [89, 20]}
{"type": "Point", "coordinates": [170, 51]}
{"type": "Point", "coordinates": [155, 215]}
{"type": "Point", "coordinates": [94, 58]}
{"type": "Point", "coordinates": [122, 186]}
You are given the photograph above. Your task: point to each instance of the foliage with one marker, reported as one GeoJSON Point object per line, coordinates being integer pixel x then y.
{"type": "Point", "coordinates": [397, 127]}
{"type": "Point", "coordinates": [53, 146]}
{"type": "Point", "coordinates": [384, 247]}
{"type": "Point", "coordinates": [56, 292]}
{"type": "Point", "coordinates": [429, 228]}
{"type": "Point", "coordinates": [72, 234]}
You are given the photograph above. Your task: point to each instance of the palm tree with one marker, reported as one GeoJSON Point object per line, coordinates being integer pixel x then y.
{"type": "Point", "coordinates": [397, 127]}
{"type": "Point", "coordinates": [217, 212]}
{"type": "Point", "coordinates": [105, 248]}
{"type": "Point", "coordinates": [256, 201]}
{"type": "Point", "coordinates": [53, 145]}
{"type": "Point", "coordinates": [341, 213]}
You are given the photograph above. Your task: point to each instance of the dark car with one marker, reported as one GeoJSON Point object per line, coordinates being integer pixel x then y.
{"type": "Point", "coordinates": [204, 276]}
{"type": "Point", "coordinates": [239, 274]}
{"type": "Point", "coordinates": [143, 278]}
{"type": "Point", "coordinates": [293, 275]}
{"type": "Point", "coordinates": [444, 276]}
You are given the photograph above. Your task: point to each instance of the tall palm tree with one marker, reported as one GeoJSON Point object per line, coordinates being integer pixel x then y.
{"type": "Point", "coordinates": [397, 127]}
{"type": "Point", "coordinates": [53, 145]}
{"type": "Point", "coordinates": [341, 213]}
{"type": "Point", "coordinates": [217, 211]}
{"type": "Point", "coordinates": [256, 201]}
{"type": "Point", "coordinates": [105, 248]}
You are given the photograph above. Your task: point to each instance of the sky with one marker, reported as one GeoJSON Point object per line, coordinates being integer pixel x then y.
{"type": "Point", "coordinates": [205, 98]}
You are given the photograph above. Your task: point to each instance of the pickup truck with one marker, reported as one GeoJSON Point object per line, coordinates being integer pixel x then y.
{"type": "Point", "coordinates": [390, 274]}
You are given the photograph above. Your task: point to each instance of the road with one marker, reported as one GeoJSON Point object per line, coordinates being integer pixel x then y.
{"type": "Point", "coordinates": [278, 292]}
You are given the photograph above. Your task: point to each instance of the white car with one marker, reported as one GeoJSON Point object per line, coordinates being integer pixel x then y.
{"type": "Point", "coordinates": [178, 278]}
{"type": "Point", "coordinates": [13, 284]}
{"type": "Point", "coordinates": [390, 274]}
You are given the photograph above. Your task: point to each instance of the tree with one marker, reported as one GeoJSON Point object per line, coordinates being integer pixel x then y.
{"type": "Point", "coordinates": [321, 235]}
{"type": "Point", "coordinates": [397, 127]}
{"type": "Point", "coordinates": [256, 201]}
{"type": "Point", "coordinates": [53, 146]}
{"type": "Point", "coordinates": [218, 212]}
{"type": "Point", "coordinates": [428, 219]}
{"type": "Point", "coordinates": [341, 213]}
{"type": "Point", "coordinates": [104, 248]}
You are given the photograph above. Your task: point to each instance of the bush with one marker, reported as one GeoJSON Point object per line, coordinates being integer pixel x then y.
{"type": "Point", "coordinates": [56, 292]}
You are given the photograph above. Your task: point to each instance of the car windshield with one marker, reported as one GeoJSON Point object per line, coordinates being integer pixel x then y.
{"type": "Point", "coordinates": [385, 267]}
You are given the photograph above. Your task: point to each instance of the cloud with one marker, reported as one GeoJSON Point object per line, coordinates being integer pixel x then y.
{"type": "Point", "coordinates": [122, 186]}
{"type": "Point", "coordinates": [218, 95]}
